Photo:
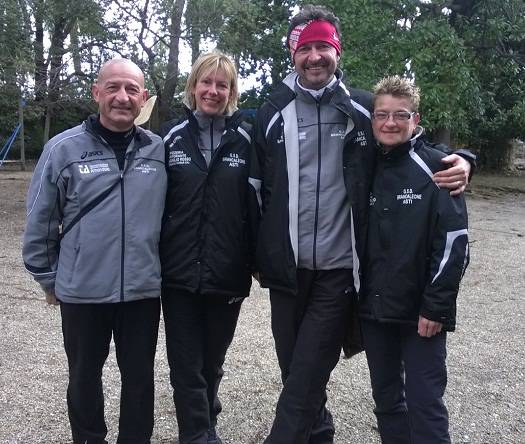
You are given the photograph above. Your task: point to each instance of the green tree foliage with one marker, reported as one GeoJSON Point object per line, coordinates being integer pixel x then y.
{"type": "Point", "coordinates": [15, 63]}
{"type": "Point", "coordinates": [374, 39]}
{"type": "Point", "coordinates": [254, 33]}
{"type": "Point", "coordinates": [204, 21]}
{"type": "Point", "coordinates": [494, 34]}
{"type": "Point", "coordinates": [467, 56]}
{"type": "Point", "coordinates": [441, 70]}
{"type": "Point", "coordinates": [55, 47]}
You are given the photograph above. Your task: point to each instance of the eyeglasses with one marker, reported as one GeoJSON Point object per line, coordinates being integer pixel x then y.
{"type": "Point", "coordinates": [398, 116]}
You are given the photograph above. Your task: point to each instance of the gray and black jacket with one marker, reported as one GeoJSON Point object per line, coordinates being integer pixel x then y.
{"type": "Point", "coordinates": [417, 248]}
{"type": "Point", "coordinates": [212, 210]}
{"type": "Point", "coordinates": [297, 226]}
{"type": "Point", "coordinates": [110, 219]}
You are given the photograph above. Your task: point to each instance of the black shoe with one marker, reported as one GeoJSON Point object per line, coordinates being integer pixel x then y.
{"type": "Point", "coordinates": [213, 438]}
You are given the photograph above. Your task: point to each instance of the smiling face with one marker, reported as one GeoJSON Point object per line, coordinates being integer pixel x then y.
{"type": "Point", "coordinates": [392, 132]}
{"type": "Point", "coordinates": [212, 92]}
{"type": "Point", "coordinates": [120, 94]}
{"type": "Point", "coordinates": [316, 63]}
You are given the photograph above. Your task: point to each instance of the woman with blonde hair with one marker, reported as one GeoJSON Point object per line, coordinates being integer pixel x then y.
{"type": "Point", "coordinates": [209, 229]}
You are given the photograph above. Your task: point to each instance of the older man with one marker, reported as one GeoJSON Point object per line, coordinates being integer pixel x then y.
{"type": "Point", "coordinates": [94, 212]}
{"type": "Point", "coordinates": [312, 232]}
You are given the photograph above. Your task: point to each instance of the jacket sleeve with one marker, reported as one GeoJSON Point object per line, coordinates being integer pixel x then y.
{"type": "Point", "coordinates": [448, 259]}
{"type": "Point", "coordinates": [260, 149]}
{"type": "Point", "coordinates": [41, 237]}
{"type": "Point", "coordinates": [254, 202]}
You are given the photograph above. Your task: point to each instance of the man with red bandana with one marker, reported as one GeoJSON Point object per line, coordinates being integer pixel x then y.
{"type": "Point", "coordinates": [317, 153]}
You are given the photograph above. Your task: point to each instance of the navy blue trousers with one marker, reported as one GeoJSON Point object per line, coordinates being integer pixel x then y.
{"type": "Point", "coordinates": [308, 330]}
{"type": "Point", "coordinates": [87, 330]}
{"type": "Point", "coordinates": [409, 376]}
{"type": "Point", "coordinates": [199, 330]}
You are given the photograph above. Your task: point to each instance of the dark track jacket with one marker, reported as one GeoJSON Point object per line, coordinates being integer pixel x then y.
{"type": "Point", "coordinates": [417, 248]}
{"type": "Point", "coordinates": [277, 146]}
{"type": "Point", "coordinates": [211, 213]}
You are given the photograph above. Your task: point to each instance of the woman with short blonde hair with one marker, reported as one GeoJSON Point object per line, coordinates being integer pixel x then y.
{"type": "Point", "coordinates": [206, 64]}
{"type": "Point", "coordinates": [207, 240]}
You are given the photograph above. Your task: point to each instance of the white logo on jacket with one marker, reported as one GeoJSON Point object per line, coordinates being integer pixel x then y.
{"type": "Point", "coordinates": [144, 168]}
{"type": "Point", "coordinates": [175, 141]}
{"type": "Point", "coordinates": [94, 168]}
{"type": "Point", "coordinates": [233, 160]}
{"type": "Point", "coordinates": [340, 134]}
{"type": "Point", "coordinates": [408, 196]}
{"type": "Point", "coordinates": [178, 157]}
{"type": "Point", "coordinates": [361, 138]}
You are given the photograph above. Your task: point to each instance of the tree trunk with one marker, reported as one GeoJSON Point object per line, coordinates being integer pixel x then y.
{"type": "Point", "coordinates": [39, 60]}
{"type": "Point", "coordinates": [172, 73]}
{"type": "Point", "coordinates": [47, 123]}
{"type": "Point", "coordinates": [77, 63]}
{"type": "Point", "coordinates": [191, 19]}
{"type": "Point", "coordinates": [61, 31]}
{"type": "Point", "coordinates": [442, 135]}
{"type": "Point", "coordinates": [195, 40]}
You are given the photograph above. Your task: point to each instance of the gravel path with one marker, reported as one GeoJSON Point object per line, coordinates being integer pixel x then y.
{"type": "Point", "coordinates": [486, 392]}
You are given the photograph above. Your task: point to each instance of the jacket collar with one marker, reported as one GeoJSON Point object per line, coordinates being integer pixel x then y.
{"type": "Point", "coordinates": [337, 94]}
{"type": "Point", "coordinates": [402, 149]}
{"type": "Point", "coordinates": [230, 121]}
{"type": "Point", "coordinates": [141, 138]}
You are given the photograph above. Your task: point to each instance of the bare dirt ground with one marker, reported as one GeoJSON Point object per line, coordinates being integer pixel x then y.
{"type": "Point", "coordinates": [485, 396]}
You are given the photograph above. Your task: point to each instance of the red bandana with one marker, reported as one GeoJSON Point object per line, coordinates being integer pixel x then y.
{"type": "Point", "coordinates": [314, 31]}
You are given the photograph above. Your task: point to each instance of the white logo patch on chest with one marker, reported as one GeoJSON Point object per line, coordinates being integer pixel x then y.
{"type": "Point", "coordinates": [233, 160]}
{"type": "Point", "coordinates": [340, 134]}
{"type": "Point", "coordinates": [144, 168]}
{"type": "Point", "coordinates": [408, 196]}
{"type": "Point", "coordinates": [361, 138]}
{"type": "Point", "coordinates": [94, 168]}
{"type": "Point", "coordinates": [178, 158]}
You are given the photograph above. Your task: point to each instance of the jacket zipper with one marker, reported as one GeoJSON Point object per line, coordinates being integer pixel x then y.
{"type": "Point", "coordinates": [318, 185]}
{"type": "Point", "coordinates": [211, 140]}
{"type": "Point", "coordinates": [123, 229]}
{"type": "Point", "coordinates": [201, 224]}
{"type": "Point", "coordinates": [123, 237]}
{"type": "Point", "coordinates": [201, 235]}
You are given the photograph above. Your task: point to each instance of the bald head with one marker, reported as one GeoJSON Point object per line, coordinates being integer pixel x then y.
{"type": "Point", "coordinates": [124, 63]}
{"type": "Point", "coordinates": [120, 94]}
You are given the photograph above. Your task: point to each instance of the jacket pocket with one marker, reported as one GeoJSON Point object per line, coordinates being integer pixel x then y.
{"type": "Point", "coordinates": [74, 264]}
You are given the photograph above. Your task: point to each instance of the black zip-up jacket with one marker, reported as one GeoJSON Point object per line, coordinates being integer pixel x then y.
{"type": "Point", "coordinates": [211, 213]}
{"type": "Point", "coordinates": [417, 246]}
{"type": "Point", "coordinates": [277, 146]}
